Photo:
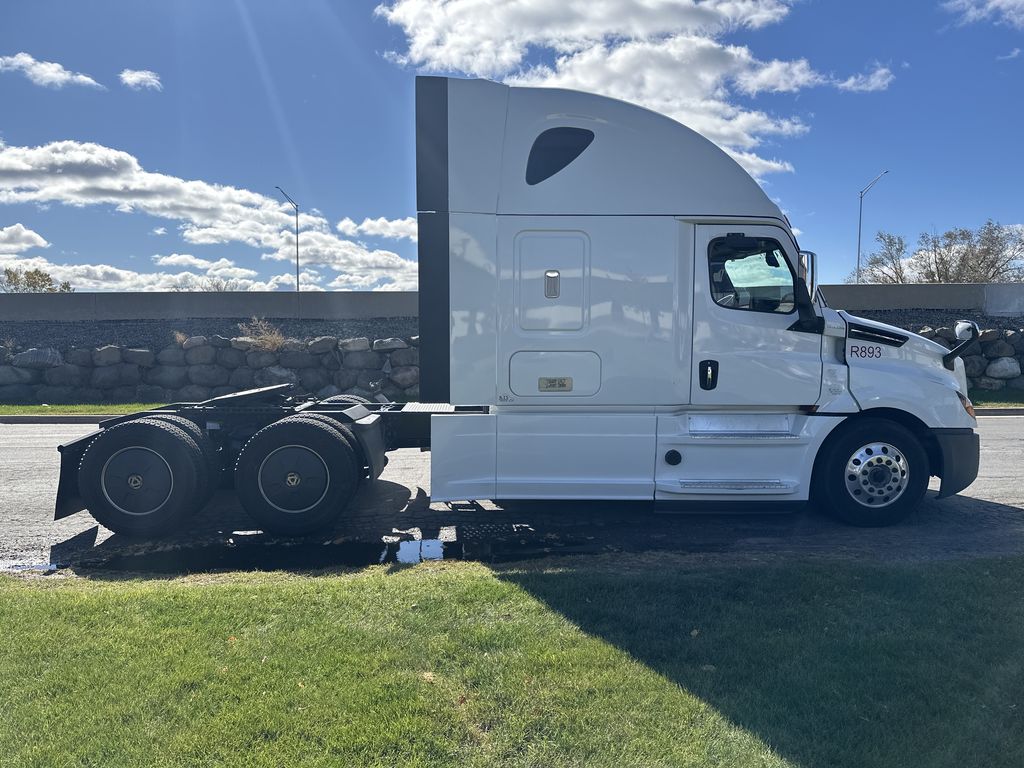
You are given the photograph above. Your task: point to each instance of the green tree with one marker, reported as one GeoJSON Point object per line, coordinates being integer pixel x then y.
{"type": "Point", "coordinates": [17, 280]}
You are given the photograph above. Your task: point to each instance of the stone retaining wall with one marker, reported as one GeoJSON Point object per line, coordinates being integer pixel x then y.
{"type": "Point", "coordinates": [199, 367]}
{"type": "Point", "coordinates": [993, 362]}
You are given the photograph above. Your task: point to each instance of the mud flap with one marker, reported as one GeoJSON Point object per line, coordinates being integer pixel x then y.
{"type": "Point", "coordinates": [68, 499]}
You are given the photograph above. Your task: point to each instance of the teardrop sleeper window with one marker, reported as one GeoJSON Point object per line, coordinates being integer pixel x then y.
{"type": "Point", "coordinates": [553, 150]}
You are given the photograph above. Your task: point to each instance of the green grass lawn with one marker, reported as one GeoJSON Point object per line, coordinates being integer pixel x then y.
{"type": "Point", "coordinates": [111, 408]}
{"type": "Point", "coordinates": [1013, 398]}
{"type": "Point", "coordinates": [591, 661]}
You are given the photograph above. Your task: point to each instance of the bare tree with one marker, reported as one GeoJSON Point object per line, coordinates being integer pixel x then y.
{"type": "Point", "coordinates": [994, 253]}
{"type": "Point", "coordinates": [888, 264]}
{"type": "Point", "coordinates": [207, 284]}
{"type": "Point", "coordinates": [17, 280]}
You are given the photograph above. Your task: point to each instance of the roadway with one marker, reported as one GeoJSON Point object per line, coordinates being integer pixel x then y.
{"type": "Point", "coordinates": [393, 520]}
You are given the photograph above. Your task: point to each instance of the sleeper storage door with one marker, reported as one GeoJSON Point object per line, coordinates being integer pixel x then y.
{"type": "Point", "coordinates": [745, 348]}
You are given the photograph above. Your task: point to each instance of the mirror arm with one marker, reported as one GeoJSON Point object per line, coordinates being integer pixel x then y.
{"type": "Point", "coordinates": [808, 321]}
{"type": "Point", "coordinates": [949, 359]}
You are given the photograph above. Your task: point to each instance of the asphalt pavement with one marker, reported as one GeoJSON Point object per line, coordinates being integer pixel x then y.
{"type": "Point", "coordinates": [392, 520]}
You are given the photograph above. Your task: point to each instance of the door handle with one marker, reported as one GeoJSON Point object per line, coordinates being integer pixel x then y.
{"type": "Point", "coordinates": [708, 374]}
{"type": "Point", "coordinates": [552, 287]}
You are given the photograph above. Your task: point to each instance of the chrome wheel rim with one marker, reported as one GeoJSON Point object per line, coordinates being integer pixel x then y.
{"type": "Point", "coordinates": [877, 475]}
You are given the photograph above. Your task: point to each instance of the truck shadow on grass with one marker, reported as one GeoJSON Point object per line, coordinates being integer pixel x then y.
{"type": "Point", "coordinates": [830, 664]}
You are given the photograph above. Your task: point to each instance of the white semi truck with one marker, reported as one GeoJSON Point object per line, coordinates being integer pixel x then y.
{"type": "Point", "coordinates": [610, 308]}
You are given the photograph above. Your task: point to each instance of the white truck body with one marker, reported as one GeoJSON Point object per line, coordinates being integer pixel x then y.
{"type": "Point", "coordinates": [613, 292]}
{"type": "Point", "coordinates": [610, 308]}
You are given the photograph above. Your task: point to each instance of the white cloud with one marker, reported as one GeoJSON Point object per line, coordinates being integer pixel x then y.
{"type": "Point", "coordinates": [181, 260]}
{"type": "Point", "coordinates": [492, 39]}
{"type": "Point", "coordinates": [1009, 12]}
{"type": "Point", "coordinates": [158, 231]}
{"type": "Point", "coordinates": [1011, 55]}
{"type": "Point", "coordinates": [779, 77]}
{"type": "Point", "coordinates": [224, 268]}
{"type": "Point", "coordinates": [137, 79]}
{"type": "Point", "coordinates": [876, 80]}
{"type": "Point", "coordinates": [17, 238]}
{"type": "Point", "coordinates": [393, 229]}
{"type": "Point", "coordinates": [667, 55]}
{"type": "Point", "coordinates": [104, 277]}
{"type": "Point", "coordinates": [46, 73]}
{"type": "Point", "coordinates": [80, 174]}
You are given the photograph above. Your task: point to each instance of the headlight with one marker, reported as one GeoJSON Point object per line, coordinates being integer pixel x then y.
{"type": "Point", "coordinates": [965, 401]}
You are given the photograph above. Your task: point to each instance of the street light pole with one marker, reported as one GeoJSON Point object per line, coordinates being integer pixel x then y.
{"type": "Point", "coordinates": [860, 217]}
{"type": "Point", "coordinates": [296, 207]}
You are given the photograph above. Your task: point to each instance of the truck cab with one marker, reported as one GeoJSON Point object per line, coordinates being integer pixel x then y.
{"type": "Point", "coordinates": [618, 311]}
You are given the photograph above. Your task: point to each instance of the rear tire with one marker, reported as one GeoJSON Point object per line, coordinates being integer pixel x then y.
{"type": "Point", "coordinates": [205, 445]}
{"type": "Point", "coordinates": [142, 478]}
{"type": "Point", "coordinates": [296, 475]}
{"type": "Point", "coordinates": [872, 473]}
{"type": "Point", "coordinates": [347, 434]}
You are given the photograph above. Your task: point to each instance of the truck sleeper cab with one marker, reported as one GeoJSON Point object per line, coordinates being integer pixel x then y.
{"type": "Point", "coordinates": [610, 308]}
{"type": "Point", "coordinates": [634, 313]}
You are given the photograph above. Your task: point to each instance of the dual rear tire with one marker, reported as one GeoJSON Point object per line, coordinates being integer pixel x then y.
{"type": "Point", "coordinates": [144, 477]}
{"type": "Point", "coordinates": [296, 475]}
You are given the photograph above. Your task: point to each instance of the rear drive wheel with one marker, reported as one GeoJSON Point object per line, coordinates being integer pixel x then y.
{"type": "Point", "coordinates": [205, 445]}
{"type": "Point", "coordinates": [142, 478]}
{"type": "Point", "coordinates": [296, 475]}
{"type": "Point", "coordinates": [873, 473]}
{"type": "Point", "coordinates": [347, 434]}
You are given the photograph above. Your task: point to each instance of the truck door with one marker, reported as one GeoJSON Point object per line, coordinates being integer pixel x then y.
{"type": "Point", "coordinates": [746, 350]}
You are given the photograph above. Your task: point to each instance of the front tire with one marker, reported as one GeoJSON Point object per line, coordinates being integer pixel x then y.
{"type": "Point", "coordinates": [872, 473]}
{"type": "Point", "coordinates": [296, 476]}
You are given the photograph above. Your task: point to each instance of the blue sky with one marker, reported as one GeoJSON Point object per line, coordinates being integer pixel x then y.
{"type": "Point", "coordinates": [142, 141]}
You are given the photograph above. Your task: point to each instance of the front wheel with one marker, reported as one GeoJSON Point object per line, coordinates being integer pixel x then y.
{"type": "Point", "coordinates": [872, 473]}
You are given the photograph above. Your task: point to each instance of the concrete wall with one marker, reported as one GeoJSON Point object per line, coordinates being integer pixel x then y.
{"type": "Point", "coordinates": [316, 305]}
{"type": "Point", "coordinates": [993, 300]}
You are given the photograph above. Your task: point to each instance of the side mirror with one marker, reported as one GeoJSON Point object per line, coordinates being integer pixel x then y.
{"type": "Point", "coordinates": [966, 330]}
{"type": "Point", "coordinates": [809, 271]}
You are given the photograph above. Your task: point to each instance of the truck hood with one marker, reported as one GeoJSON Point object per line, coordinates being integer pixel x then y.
{"type": "Point", "coordinates": [916, 350]}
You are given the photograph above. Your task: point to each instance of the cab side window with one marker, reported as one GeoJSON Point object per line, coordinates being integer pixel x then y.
{"type": "Point", "coordinates": [752, 274]}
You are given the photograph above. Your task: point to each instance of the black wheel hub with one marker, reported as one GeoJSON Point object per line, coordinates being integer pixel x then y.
{"type": "Point", "coordinates": [293, 478]}
{"type": "Point", "coordinates": [137, 480]}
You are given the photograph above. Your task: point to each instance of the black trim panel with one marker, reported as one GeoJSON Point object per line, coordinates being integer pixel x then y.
{"type": "Point", "coordinates": [431, 144]}
{"type": "Point", "coordinates": [434, 300]}
{"type": "Point", "coordinates": [859, 332]}
{"type": "Point", "coordinates": [961, 454]}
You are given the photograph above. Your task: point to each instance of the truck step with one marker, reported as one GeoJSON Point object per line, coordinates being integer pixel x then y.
{"type": "Point", "coordinates": [728, 486]}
